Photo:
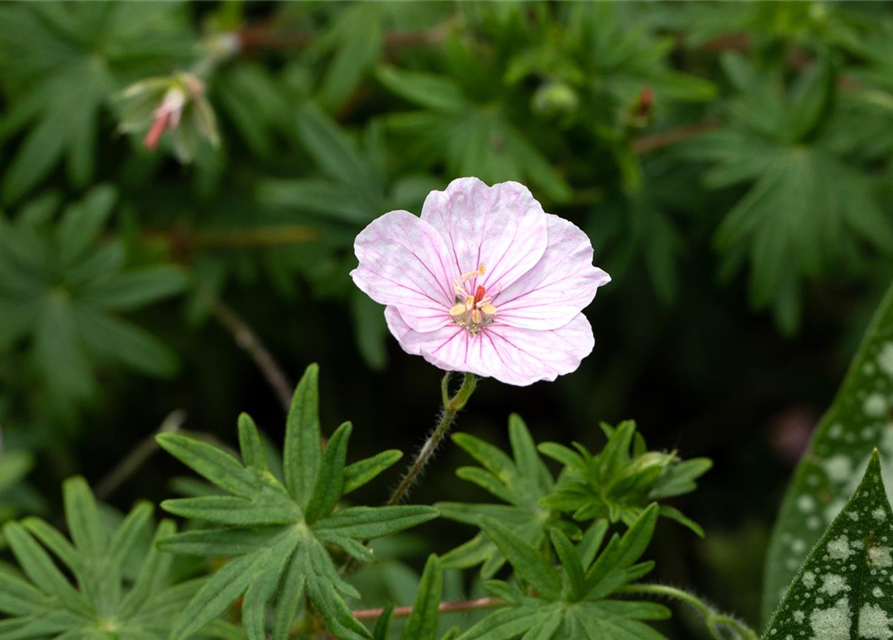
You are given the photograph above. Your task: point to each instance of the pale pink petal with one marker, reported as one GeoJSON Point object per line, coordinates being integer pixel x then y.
{"type": "Point", "coordinates": [558, 287]}
{"type": "Point", "coordinates": [501, 227]}
{"type": "Point", "coordinates": [510, 354]}
{"type": "Point", "coordinates": [403, 262]}
{"type": "Point", "coordinates": [446, 348]}
{"type": "Point", "coordinates": [523, 356]}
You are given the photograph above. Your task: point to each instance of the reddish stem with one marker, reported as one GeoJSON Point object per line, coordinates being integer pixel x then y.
{"type": "Point", "coordinates": [443, 607]}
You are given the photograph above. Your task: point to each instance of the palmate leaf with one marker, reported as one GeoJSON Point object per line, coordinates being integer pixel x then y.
{"type": "Point", "coordinates": [572, 600]}
{"type": "Point", "coordinates": [807, 212]}
{"type": "Point", "coordinates": [354, 186]}
{"type": "Point", "coordinates": [354, 43]}
{"type": "Point", "coordinates": [278, 534]}
{"type": "Point", "coordinates": [62, 289]}
{"type": "Point", "coordinates": [520, 483]}
{"type": "Point", "coordinates": [41, 603]}
{"type": "Point", "coordinates": [61, 63]}
{"type": "Point", "coordinates": [622, 480]}
{"type": "Point", "coordinates": [857, 421]}
{"type": "Point", "coordinates": [843, 588]}
{"type": "Point", "coordinates": [473, 135]}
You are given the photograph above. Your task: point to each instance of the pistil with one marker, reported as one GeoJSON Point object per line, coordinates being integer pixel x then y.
{"type": "Point", "coordinates": [472, 312]}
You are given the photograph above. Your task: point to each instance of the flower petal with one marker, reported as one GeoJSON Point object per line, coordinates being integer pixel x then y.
{"type": "Point", "coordinates": [501, 227]}
{"type": "Point", "coordinates": [558, 287]}
{"type": "Point", "coordinates": [403, 262]}
{"type": "Point", "coordinates": [512, 355]}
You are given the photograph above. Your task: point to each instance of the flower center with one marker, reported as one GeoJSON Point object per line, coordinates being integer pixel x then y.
{"type": "Point", "coordinates": [473, 312]}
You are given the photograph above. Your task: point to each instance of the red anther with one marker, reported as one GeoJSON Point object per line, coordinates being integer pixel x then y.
{"type": "Point", "coordinates": [479, 294]}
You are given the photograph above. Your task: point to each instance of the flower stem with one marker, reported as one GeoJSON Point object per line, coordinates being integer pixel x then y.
{"type": "Point", "coordinates": [451, 406]}
{"type": "Point", "coordinates": [443, 607]}
{"type": "Point", "coordinates": [714, 620]}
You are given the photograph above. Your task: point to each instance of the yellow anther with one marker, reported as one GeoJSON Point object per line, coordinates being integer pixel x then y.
{"type": "Point", "coordinates": [465, 277]}
{"type": "Point", "coordinates": [476, 317]}
{"type": "Point", "coordinates": [488, 309]}
{"type": "Point", "coordinates": [458, 311]}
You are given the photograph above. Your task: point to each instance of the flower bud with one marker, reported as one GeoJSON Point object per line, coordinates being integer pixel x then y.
{"type": "Point", "coordinates": [173, 106]}
{"type": "Point", "coordinates": [555, 99]}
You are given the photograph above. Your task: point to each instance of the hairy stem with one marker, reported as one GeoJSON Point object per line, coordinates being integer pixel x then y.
{"type": "Point", "coordinates": [443, 607]}
{"type": "Point", "coordinates": [712, 619]}
{"type": "Point", "coordinates": [138, 457]}
{"type": "Point", "coordinates": [451, 406]}
{"type": "Point", "coordinates": [249, 341]}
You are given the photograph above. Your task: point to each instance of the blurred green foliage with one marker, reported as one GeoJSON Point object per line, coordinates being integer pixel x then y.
{"type": "Point", "coordinates": [761, 126]}
{"type": "Point", "coordinates": [732, 163]}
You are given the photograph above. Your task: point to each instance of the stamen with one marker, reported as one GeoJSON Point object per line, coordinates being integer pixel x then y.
{"type": "Point", "coordinates": [472, 312]}
{"type": "Point", "coordinates": [481, 270]}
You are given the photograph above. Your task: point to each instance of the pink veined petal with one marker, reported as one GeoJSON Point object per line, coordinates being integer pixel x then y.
{"type": "Point", "coordinates": [446, 348]}
{"type": "Point", "coordinates": [558, 287]}
{"type": "Point", "coordinates": [403, 263]}
{"type": "Point", "coordinates": [510, 354]}
{"type": "Point", "coordinates": [501, 227]}
{"type": "Point", "coordinates": [521, 356]}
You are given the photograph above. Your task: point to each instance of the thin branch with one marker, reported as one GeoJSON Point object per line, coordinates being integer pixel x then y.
{"type": "Point", "coordinates": [261, 37]}
{"type": "Point", "coordinates": [647, 144]}
{"type": "Point", "coordinates": [443, 607]}
{"type": "Point", "coordinates": [184, 240]}
{"type": "Point", "coordinates": [249, 341]}
{"type": "Point", "coordinates": [138, 456]}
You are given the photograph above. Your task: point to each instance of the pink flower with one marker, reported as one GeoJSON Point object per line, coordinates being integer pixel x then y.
{"type": "Point", "coordinates": [484, 282]}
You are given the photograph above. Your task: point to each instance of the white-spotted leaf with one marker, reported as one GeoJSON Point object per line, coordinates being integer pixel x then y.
{"type": "Point", "coordinates": [844, 589]}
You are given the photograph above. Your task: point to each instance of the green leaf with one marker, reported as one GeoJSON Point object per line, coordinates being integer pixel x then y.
{"type": "Point", "coordinates": [422, 624]}
{"type": "Point", "coordinates": [137, 288]}
{"type": "Point", "coordinates": [303, 442]}
{"type": "Point", "coordinates": [83, 519]}
{"type": "Point", "coordinates": [424, 89]}
{"type": "Point", "coordinates": [124, 342]}
{"type": "Point", "coordinates": [375, 522]}
{"type": "Point", "coordinates": [332, 149]}
{"type": "Point", "coordinates": [280, 541]}
{"type": "Point", "coordinates": [330, 479]}
{"type": "Point", "coordinates": [522, 482]}
{"type": "Point", "coordinates": [620, 482]}
{"type": "Point", "coordinates": [614, 567]}
{"type": "Point", "coordinates": [360, 473]}
{"type": "Point", "coordinates": [512, 622]}
{"type": "Point", "coordinates": [46, 604]}
{"type": "Point", "coordinates": [14, 466]}
{"type": "Point", "coordinates": [843, 587]}
{"type": "Point", "coordinates": [40, 569]}
{"type": "Point", "coordinates": [840, 449]}
{"type": "Point", "coordinates": [212, 463]}
{"type": "Point", "coordinates": [526, 560]}
{"type": "Point", "coordinates": [251, 445]}
{"type": "Point", "coordinates": [219, 591]}
{"type": "Point", "coordinates": [571, 562]}
{"type": "Point", "coordinates": [810, 98]}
